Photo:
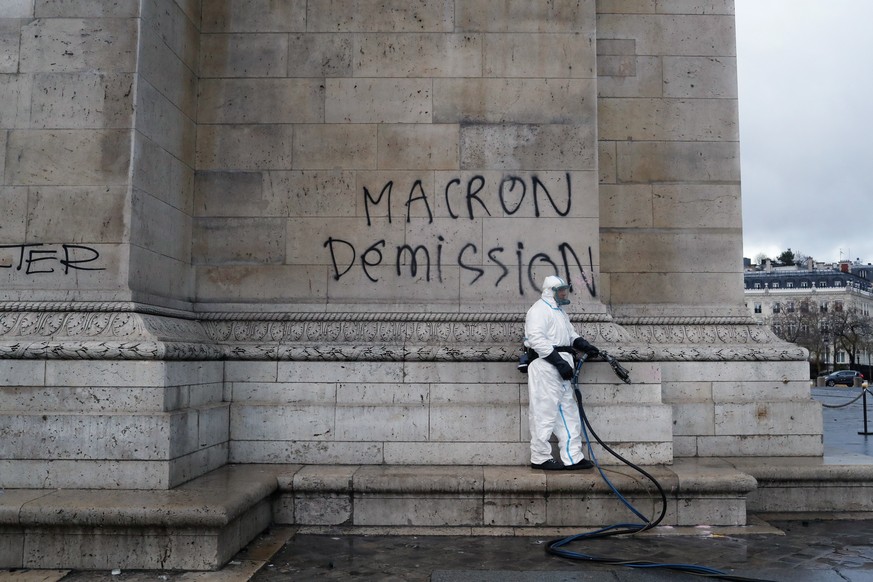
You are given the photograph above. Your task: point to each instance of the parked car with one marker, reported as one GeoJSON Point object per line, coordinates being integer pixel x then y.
{"type": "Point", "coordinates": [846, 377]}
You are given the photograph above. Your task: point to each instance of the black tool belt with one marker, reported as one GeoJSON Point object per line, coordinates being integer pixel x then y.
{"type": "Point", "coordinates": [533, 355]}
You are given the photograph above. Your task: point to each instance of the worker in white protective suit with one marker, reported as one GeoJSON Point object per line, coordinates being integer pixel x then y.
{"type": "Point", "coordinates": [552, 408]}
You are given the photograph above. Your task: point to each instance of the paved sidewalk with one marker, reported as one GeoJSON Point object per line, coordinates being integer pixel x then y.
{"type": "Point", "coordinates": [816, 549]}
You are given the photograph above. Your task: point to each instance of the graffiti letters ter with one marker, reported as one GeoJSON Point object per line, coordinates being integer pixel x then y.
{"type": "Point", "coordinates": [460, 199]}
{"type": "Point", "coordinates": [43, 259]}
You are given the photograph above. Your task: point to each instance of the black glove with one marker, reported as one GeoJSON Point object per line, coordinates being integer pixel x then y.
{"type": "Point", "coordinates": [564, 369]}
{"type": "Point", "coordinates": [579, 344]}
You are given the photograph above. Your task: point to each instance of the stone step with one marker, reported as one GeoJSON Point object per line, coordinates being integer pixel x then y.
{"type": "Point", "coordinates": [203, 523]}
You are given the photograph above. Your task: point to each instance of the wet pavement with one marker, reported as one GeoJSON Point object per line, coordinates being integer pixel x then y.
{"type": "Point", "coordinates": [816, 549]}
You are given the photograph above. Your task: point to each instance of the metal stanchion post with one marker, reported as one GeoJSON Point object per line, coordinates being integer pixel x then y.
{"type": "Point", "coordinates": [864, 401]}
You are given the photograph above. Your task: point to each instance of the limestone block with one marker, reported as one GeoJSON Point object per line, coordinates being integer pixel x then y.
{"type": "Point", "coordinates": [73, 44]}
{"type": "Point", "coordinates": [513, 100]}
{"type": "Point", "coordinates": [471, 412]}
{"type": "Point", "coordinates": [244, 147]}
{"type": "Point", "coordinates": [409, 453]}
{"type": "Point", "coordinates": [173, 22]}
{"type": "Point", "coordinates": [307, 241]}
{"type": "Point", "coordinates": [630, 423]}
{"type": "Point", "coordinates": [700, 77]}
{"type": "Point", "coordinates": [648, 252]}
{"type": "Point", "coordinates": [667, 34]}
{"type": "Point", "coordinates": [14, 373]}
{"type": "Point", "coordinates": [82, 100]}
{"type": "Point", "coordinates": [684, 446]}
{"type": "Point", "coordinates": [516, 511]}
{"type": "Point", "coordinates": [722, 511]}
{"type": "Point", "coordinates": [566, 56]}
{"type": "Point", "coordinates": [376, 509]}
{"type": "Point", "coordinates": [668, 119]}
{"type": "Point", "coordinates": [436, 55]}
{"type": "Point", "coordinates": [18, 9]}
{"type": "Point", "coordinates": [378, 100]}
{"type": "Point", "coordinates": [161, 174]}
{"type": "Point", "coordinates": [544, 235]}
{"type": "Point", "coordinates": [379, 15]}
{"type": "Point", "coordinates": [284, 392]}
{"type": "Point", "coordinates": [320, 55]}
{"type": "Point", "coordinates": [261, 101]}
{"type": "Point", "coordinates": [266, 283]}
{"type": "Point", "coordinates": [326, 509]}
{"type": "Point", "coordinates": [335, 146]}
{"type": "Point", "coordinates": [43, 263]}
{"type": "Point", "coordinates": [163, 122]}
{"type": "Point", "coordinates": [607, 162]}
{"type": "Point", "coordinates": [700, 391]}
{"type": "Point", "coordinates": [35, 398]}
{"type": "Point", "coordinates": [502, 375]}
{"type": "Point", "coordinates": [422, 287]}
{"type": "Point", "coordinates": [522, 16]}
{"type": "Point", "coordinates": [398, 194]}
{"type": "Point", "coordinates": [695, 7]}
{"type": "Point", "coordinates": [203, 394]}
{"type": "Point", "coordinates": [768, 418]}
{"type": "Point", "coordinates": [620, 393]}
{"type": "Point", "coordinates": [220, 241]}
{"type": "Point", "coordinates": [530, 147]}
{"type": "Point", "coordinates": [68, 157]}
{"type": "Point", "coordinates": [213, 426]}
{"type": "Point", "coordinates": [254, 16]}
{"type": "Point", "coordinates": [13, 215]}
{"type": "Point", "coordinates": [85, 8]}
{"type": "Point", "coordinates": [772, 390]}
{"type": "Point", "coordinates": [243, 55]}
{"type": "Point", "coordinates": [677, 162]}
{"type": "Point", "coordinates": [177, 281]}
{"type": "Point", "coordinates": [119, 436]}
{"type": "Point", "coordinates": [693, 418]}
{"type": "Point", "coordinates": [86, 474]}
{"type": "Point", "coordinates": [159, 227]}
{"type": "Point", "coordinates": [733, 371]}
{"type": "Point", "coordinates": [573, 510]}
{"type": "Point", "coordinates": [329, 193]}
{"type": "Point", "coordinates": [681, 288]}
{"type": "Point", "coordinates": [10, 41]}
{"type": "Point", "coordinates": [382, 412]}
{"type": "Point", "coordinates": [288, 422]}
{"type": "Point", "coordinates": [308, 372]}
{"type": "Point", "coordinates": [105, 373]}
{"type": "Point", "coordinates": [426, 147]}
{"type": "Point", "coordinates": [15, 91]}
{"type": "Point", "coordinates": [786, 445]}
{"type": "Point", "coordinates": [167, 73]}
{"type": "Point", "coordinates": [241, 371]}
{"type": "Point", "coordinates": [626, 206]}
{"type": "Point", "coordinates": [309, 452]}
{"type": "Point", "coordinates": [693, 206]}
{"type": "Point", "coordinates": [82, 214]}
{"type": "Point", "coordinates": [448, 236]}
{"type": "Point", "coordinates": [220, 193]}
{"type": "Point", "coordinates": [629, 76]}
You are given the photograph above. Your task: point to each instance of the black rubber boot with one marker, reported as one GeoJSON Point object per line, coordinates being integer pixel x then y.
{"type": "Point", "coordinates": [550, 465]}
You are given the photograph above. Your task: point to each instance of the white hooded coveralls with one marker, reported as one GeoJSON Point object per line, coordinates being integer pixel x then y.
{"type": "Point", "coordinates": [552, 408]}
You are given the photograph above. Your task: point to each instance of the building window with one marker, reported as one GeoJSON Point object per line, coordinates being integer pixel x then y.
{"type": "Point", "coordinates": [790, 285]}
{"type": "Point", "coordinates": [837, 283]}
{"type": "Point", "coordinates": [841, 357]}
{"type": "Point", "coordinates": [776, 307]}
{"type": "Point", "coordinates": [823, 307]}
{"type": "Point", "coordinates": [757, 308]}
{"type": "Point", "coordinates": [803, 284]}
{"type": "Point", "coordinates": [790, 306]}
{"type": "Point", "coordinates": [757, 285]}
{"type": "Point", "coordinates": [838, 305]}
{"type": "Point", "coordinates": [776, 285]}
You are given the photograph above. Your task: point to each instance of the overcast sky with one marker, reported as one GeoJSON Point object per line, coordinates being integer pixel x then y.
{"type": "Point", "coordinates": [806, 127]}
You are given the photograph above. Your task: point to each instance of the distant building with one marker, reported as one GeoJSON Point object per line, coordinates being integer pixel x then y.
{"type": "Point", "coordinates": [821, 286]}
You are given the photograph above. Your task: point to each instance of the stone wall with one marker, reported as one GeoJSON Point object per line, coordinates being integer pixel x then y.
{"type": "Point", "coordinates": [307, 232]}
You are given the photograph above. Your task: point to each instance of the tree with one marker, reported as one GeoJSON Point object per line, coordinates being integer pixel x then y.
{"type": "Point", "coordinates": [851, 331]}
{"type": "Point", "coordinates": [761, 258]}
{"type": "Point", "coordinates": [786, 258]}
{"type": "Point", "coordinates": [802, 323]}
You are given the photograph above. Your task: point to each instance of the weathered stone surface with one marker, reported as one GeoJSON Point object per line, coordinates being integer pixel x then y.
{"type": "Point", "coordinates": [245, 147]}
{"type": "Point", "coordinates": [539, 55]}
{"type": "Point", "coordinates": [255, 16]}
{"type": "Point", "coordinates": [668, 34]}
{"type": "Point", "coordinates": [381, 16]}
{"type": "Point", "coordinates": [332, 147]}
{"type": "Point", "coordinates": [428, 147]}
{"type": "Point", "coordinates": [219, 241]}
{"type": "Point", "coordinates": [78, 44]}
{"type": "Point", "coordinates": [261, 101]}
{"type": "Point", "coordinates": [82, 100]}
{"type": "Point", "coordinates": [668, 119]}
{"type": "Point", "coordinates": [677, 161]}
{"type": "Point", "coordinates": [437, 55]}
{"type": "Point", "coordinates": [320, 55]}
{"type": "Point", "coordinates": [243, 55]}
{"type": "Point", "coordinates": [13, 216]}
{"type": "Point", "coordinates": [531, 147]}
{"type": "Point", "coordinates": [15, 102]}
{"type": "Point", "coordinates": [167, 73]}
{"type": "Point", "coordinates": [76, 214]}
{"type": "Point", "coordinates": [700, 77]}
{"type": "Point", "coordinates": [521, 16]}
{"type": "Point", "coordinates": [378, 101]}
{"type": "Point", "coordinates": [84, 8]}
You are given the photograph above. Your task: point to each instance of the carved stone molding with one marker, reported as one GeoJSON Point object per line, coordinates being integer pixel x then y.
{"type": "Point", "coordinates": [97, 331]}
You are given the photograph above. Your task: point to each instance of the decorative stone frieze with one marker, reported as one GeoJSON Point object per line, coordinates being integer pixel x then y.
{"type": "Point", "coordinates": [131, 331]}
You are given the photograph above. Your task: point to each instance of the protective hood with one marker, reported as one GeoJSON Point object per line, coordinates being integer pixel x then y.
{"type": "Point", "coordinates": [551, 285]}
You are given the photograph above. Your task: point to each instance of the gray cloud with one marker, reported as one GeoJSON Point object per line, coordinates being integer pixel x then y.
{"type": "Point", "coordinates": [806, 122]}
